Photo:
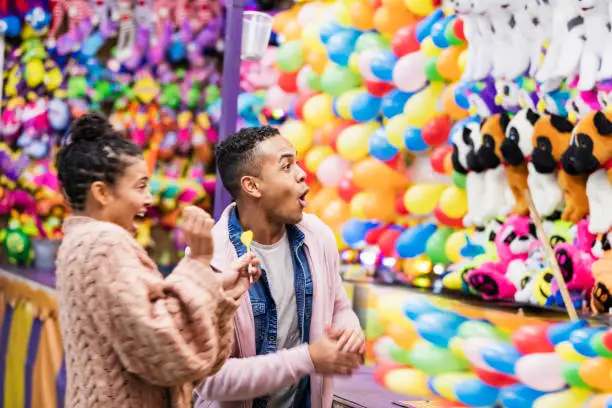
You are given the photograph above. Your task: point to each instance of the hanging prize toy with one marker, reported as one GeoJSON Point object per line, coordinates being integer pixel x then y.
{"type": "Point", "coordinates": [12, 165]}
{"type": "Point", "coordinates": [58, 115]}
{"type": "Point", "coordinates": [17, 244]}
{"type": "Point", "coordinates": [10, 27]}
{"type": "Point", "coordinates": [202, 140]}
{"type": "Point", "coordinates": [103, 16]}
{"type": "Point", "coordinates": [53, 77]}
{"type": "Point", "coordinates": [35, 139]}
{"type": "Point", "coordinates": [163, 29]}
{"type": "Point", "coordinates": [207, 37]}
{"type": "Point", "coordinates": [146, 89]}
{"type": "Point", "coordinates": [38, 20]}
{"type": "Point", "coordinates": [183, 138]}
{"type": "Point", "coordinates": [142, 14]}
{"type": "Point", "coordinates": [140, 131]}
{"type": "Point", "coordinates": [126, 37]}
{"type": "Point", "coordinates": [12, 119]}
{"type": "Point", "coordinates": [177, 50]}
{"type": "Point", "coordinates": [80, 18]}
{"type": "Point", "coordinates": [169, 131]}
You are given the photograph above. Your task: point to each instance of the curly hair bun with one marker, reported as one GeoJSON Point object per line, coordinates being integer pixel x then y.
{"type": "Point", "coordinates": [91, 127]}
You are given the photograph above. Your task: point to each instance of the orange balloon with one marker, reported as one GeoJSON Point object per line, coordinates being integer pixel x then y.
{"type": "Point", "coordinates": [447, 64]}
{"type": "Point", "coordinates": [450, 106]}
{"type": "Point", "coordinates": [373, 174]}
{"type": "Point", "coordinates": [281, 20]}
{"type": "Point", "coordinates": [448, 164]}
{"type": "Point", "coordinates": [362, 15]}
{"type": "Point", "coordinates": [292, 30]}
{"type": "Point", "coordinates": [380, 205]}
{"type": "Point", "coordinates": [335, 214]}
{"type": "Point", "coordinates": [403, 334]}
{"type": "Point", "coordinates": [324, 134]}
{"type": "Point", "coordinates": [393, 3]}
{"type": "Point", "coordinates": [317, 61]}
{"type": "Point", "coordinates": [388, 19]}
{"type": "Point", "coordinates": [596, 373]}
{"type": "Point", "coordinates": [321, 200]}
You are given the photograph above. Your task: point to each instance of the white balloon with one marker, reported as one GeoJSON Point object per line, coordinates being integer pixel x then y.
{"type": "Point", "coordinates": [541, 371]}
{"type": "Point", "coordinates": [472, 349]}
{"type": "Point", "coordinates": [276, 98]}
{"type": "Point", "coordinates": [308, 13]}
{"type": "Point", "coordinates": [364, 61]}
{"type": "Point", "coordinates": [409, 72]}
{"type": "Point", "coordinates": [302, 79]}
{"type": "Point", "coordinates": [332, 170]}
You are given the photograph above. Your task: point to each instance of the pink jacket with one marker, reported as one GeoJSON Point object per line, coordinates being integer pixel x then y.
{"type": "Point", "coordinates": [245, 375]}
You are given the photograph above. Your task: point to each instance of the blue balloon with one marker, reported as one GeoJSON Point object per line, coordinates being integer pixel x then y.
{"type": "Point", "coordinates": [177, 51]}
{"type": "Point", "coordinates": [354, 231]}
{"type": "Point", "coordinates": [382, 65]}
{"type": "Point", "coordinates": [340, 47]}
{"type": "Point", "coordinates": [461, 95]}
{"type": "Point", "coordinates": [327, 29]}
{"type": "Point", "coordinates": [393, 103]}
{"type": "Point", "coordinates": [379, 146]}
{"type": "Point", "coordinates": [518, 396]}
{"type": "Point", "coordinates": [413, 241]}
{"type": "Point", "coordinates": [560, 332]}
{"type": "Point", "coordinates": [581, 339]}
{"type": "Point", "coordinates": [335, 108]}
{"type": "Point", "coordinates": [424, 26]}
{"type": "Point", "coordinates": [416, 306]}
{"type": "Point", "coordinates": [609, 402]}
{"type": "Point", "coordinates": [438, 33]}
{"type": "Point", "coordinates": [413, 140]}
{"type": "Point", "coordinates": [365, 107]}
{"type": "Point", "coordinates": [501, 357]}
{"type": "Point", "coordinates": [12, 25]}
{"type": "Point", "coordinates": [475, 393]}
{"type": "Point", "coordinates": [438, 328]}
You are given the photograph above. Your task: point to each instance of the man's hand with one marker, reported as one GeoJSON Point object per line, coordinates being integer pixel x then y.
{"type": "Point", "coordinates": [327, 359]}
{"type": "Point", "coordinates": [349, 341]}
{"type": "Point", "coordinates": [237, 280]}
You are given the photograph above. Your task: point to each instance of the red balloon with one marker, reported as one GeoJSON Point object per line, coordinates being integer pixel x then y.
{"type": "Point", "coordinates": [405, 41]}
{"type": "Point", "coordinates": [299, 104]}
{"type": "Point", "coordinates": [532, 339]}
{"type": "Point", "coordinates": [381, 371]}
{"type": "Point", "coordinates": [287, 81]}
{"type": "Point", "coordinates": [346, 189]}
{"type": "Point", "coordinates": [446, 220]}
{"type": "Point", "coordinates": [378, 88]}
{"type": "Point", "coordinates": [436, 131]}
{"type": "Point", "coordinates": [437, 157]}
{"type": "Point", "coordinates": [374, 234]}
{"type": "Point", "coordinates": [386, 242]}
{"type": "Point", "coordinates": [494, 379]}
{"type": "Point", "coordinates": [400, 207]}
{"type": "Point", "coordinates": [458, 29]}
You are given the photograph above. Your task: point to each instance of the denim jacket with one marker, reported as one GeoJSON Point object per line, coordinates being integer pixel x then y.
{"type": "Point", "coordinates": [264, 307]}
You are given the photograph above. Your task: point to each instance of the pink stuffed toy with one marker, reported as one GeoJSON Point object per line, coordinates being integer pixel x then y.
{"type": "Point", "coordinates": [500, 280]}
{"type": "Point", "coordinates": [11, 122]}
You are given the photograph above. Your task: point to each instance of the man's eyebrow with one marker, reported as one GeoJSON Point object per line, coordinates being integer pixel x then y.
{"type": "Point", "coordinates": [286, 156]}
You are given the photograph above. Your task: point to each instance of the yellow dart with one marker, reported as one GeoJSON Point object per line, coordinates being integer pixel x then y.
{"type": "Point", "coordinates": [246, 238]}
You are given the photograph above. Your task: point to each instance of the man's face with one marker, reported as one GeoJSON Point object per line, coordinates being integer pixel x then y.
{"type": "Point", "coordinates": [281, 184]}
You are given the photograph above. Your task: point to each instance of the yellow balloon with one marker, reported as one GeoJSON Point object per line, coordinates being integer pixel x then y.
{"type": "Point", "coordinates": [344, 102]}
{"type": "Point", "coordinates": [420, 7]}
{"type": "Point", "coordinates": [568, 353]}
{"type": "Point", "coordinates": [315, 156]}
{"type": "Point", "coordinates": [352, 143]}
{"type": "Point", "coordinates": [453, 202]}
{"type": "Point", "coordinates": [342, 14]}
{"type": "Point", "coordinates": [311, 40]}
{"type": "Point", "coordinates": [453, 246]}
{"type": "Point", "coordinates": [407, 381]}
{"type": "Point", "coordinates": [353, 63]}
{"type": "Point", "coordinates": [358, 205]}
{"type": "Point", "coordinates": [395, 128]}
{"type": "Point", "coordinates": [429, 48]}
{"type": "Point", "coordinates": [423, 107]}
{"type": "Point", "coordinates": [462, 61]}
{"type": "Point", "coordinates": [299, 134]}
{"type": "Point", "coordinates": [455, 345]}
{"type": "Point", "coordinates": [421, 199]}
{"type": "Point", "coordinates": [318, 110]}
{"type": "Point", "coordinates": [572, 398]}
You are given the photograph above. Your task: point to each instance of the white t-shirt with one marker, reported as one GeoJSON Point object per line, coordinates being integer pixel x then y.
{"type": "Point", "coordinates": [276, 261]}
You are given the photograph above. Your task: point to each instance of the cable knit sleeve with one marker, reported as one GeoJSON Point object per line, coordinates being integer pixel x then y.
{"type": "Point", "coordinates": [167, 331]}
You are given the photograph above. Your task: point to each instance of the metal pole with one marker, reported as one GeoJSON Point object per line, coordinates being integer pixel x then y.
{"type": "Point", "coordinates": [229, 89]}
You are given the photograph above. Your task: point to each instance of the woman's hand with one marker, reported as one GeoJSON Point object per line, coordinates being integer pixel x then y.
{"type": "Point", "coordinates": [237, 280]}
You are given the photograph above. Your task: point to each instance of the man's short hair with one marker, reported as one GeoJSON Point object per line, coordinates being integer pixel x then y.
{"type": "Point", "coordinates": [235, 156]}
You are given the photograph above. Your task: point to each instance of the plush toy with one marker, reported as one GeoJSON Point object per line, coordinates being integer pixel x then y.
{"type": "Point", "coordinates": [476, 27]}
{"type": "Point", "coordinates": [515, 148]}
{"type": "Point", "coordinates": [499, 199]}
{"type": "Point", "coordinates": [539, 15]}
{"type": "Point", "coordinates": [501, 280]}
{"type": "Point", "coordinates": [16, 243]}
{"type": "Point", "coordinates": [508, 95]}
{"type": "Point", "coordinates": [464, 140]}
{"type": "Point", "coordinates": [481, 96]}
{"type": "Point", "coordinates": [565, 49]}
{"type": "Point", "coordinates": [530, 290]}
{"type": "Point", "coordinates": [508, 60]}
{"type": "Point", "coordinates": [581, 104]}
{"type": "Point", "coordinates": [590, 152]}
{"type": "Point", "coordinates": [548, 182]}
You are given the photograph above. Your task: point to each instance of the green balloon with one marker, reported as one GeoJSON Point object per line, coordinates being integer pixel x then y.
{"type": "Point", "coordinates": [473, 328]}
{"type": "Point", "coordinates": [213, 93]}
{"type": "Point", "coordinates": [459, 179]}
{"type": "Point", "coordinates": [434, 360]}
{"type": "Point", "coordinates": [289, 57]}
{"type": "Point", "coordinates": [371, 41]}
{"type": "Point", "coordinates": [374, 329]}
{"type": "Point", "coordinates": [598, 346]}
{"type": "Point", "coordinates": [571, 375]}
{"type": "Point", "coordinates": [399, 355]}
{"type": "Point", "coordinates": [436, 245]}
{"type": "Point", "coordinates": [77, 87]}
{"type": "Point", "coordinates": [449, 35]}
{"type": "Point", "coordinates": [336, 80]}
{"type": "Point", "coordinates": [313, 80]}
{"type": "Point", "coordinates": [431, 72]}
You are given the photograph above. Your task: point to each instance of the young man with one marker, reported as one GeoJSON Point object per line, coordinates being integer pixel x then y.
{"type": "Point", "coordinates": [296, 328]}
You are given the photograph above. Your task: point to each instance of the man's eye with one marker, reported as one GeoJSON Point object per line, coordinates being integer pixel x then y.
{"type": "Point", "coordinates": [287, 166]}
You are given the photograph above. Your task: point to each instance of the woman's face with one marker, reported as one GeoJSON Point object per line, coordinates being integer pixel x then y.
{"type": "Point", "coordinates": [130, 197]}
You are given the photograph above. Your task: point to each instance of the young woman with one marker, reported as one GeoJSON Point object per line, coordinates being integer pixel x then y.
{"type": "Point", "coordinates": [133, 339]}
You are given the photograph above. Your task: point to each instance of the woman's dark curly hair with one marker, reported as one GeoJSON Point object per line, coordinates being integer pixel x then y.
{"type": "Point", "coordinates": [94, 152]}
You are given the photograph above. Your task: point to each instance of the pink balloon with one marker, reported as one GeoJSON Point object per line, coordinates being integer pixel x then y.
{"type": "Point", "coordinates": [541, 371]}
{"type": "Point", "coordinates": [472, 349]}
{"type": "Point", "coordinates": [276, 98]}
{"type": "Point", "coordinates": [302, 79]}
{"type": "Point", "coordinates": [409, 72]}
{"type": "Point", "coordinates": [364, 62]}
{"type": "Point", "coordinates": [332, 170]}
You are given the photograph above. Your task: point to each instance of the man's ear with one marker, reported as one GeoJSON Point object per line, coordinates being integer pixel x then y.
{"type": "Point", "coordinates": [100, 192]}
{"type": "Point", "coordinates": [250, 186]}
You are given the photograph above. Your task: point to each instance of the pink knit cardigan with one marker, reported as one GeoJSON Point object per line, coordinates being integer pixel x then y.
{"type": "Point", "coordinates": [133, 339]}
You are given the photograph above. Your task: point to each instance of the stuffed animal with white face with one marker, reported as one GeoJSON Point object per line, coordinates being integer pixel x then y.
{"type": "Point", "coordinates": [563, 55]}
{"type": "Point", "coordinates": [536, 23]}
{"type": "Point", "coordinates": [475, 28]}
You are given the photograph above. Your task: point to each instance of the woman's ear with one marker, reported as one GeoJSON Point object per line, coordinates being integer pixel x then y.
{"type": "Point", "coordinates": [100, 192]}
